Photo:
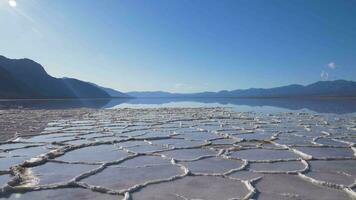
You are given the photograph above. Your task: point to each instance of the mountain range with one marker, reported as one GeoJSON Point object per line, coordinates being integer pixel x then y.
{"type": "Point", "coordinates": [337, 88]}
{"type": "Point", "coordinates": [26, 79]}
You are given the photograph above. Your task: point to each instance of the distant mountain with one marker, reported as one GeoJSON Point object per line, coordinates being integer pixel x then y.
{"type": "Point", "coordinates": [151, 94]}
{"type": "Point", "coordinates": [113, 93]}
{"type": "Point", "coordinates": [10, 87]}
{"type": "Point", "coordinates": [24, 78]}
{"type": "Point", "coordinates": [338, 88]}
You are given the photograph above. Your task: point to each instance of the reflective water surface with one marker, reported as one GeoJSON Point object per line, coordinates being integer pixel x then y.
{"type": "Point", "coordinates": [338, 106]}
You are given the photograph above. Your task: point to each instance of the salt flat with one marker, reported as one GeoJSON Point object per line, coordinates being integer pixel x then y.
{"type": "Point", "coordinates": [177, 153]}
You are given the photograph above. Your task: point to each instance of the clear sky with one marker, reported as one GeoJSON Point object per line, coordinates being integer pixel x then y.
{"type": "Point", "coordinates": [184, 45]}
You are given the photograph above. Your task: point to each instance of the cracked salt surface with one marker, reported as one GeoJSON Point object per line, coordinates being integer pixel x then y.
{"type": "Point", "coordinates": [282, 186]}
{"type": "Point", "coordinates": [127, 178]}
{"type": "Point", "coordinates": [182, 153]}
{"type": "Point", "coordinates": [194, 187]}
{"type": "Point", "coordinates": [51, 172]}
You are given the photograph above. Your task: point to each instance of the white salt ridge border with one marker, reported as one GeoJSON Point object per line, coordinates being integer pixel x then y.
{"type": "Point", "coordinates": [344, 188]}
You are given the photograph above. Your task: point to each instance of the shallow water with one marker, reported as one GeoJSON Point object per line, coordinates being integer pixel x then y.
{"type": "Point", "coordinates": [266, 105]}
{"type": "Point", "coordinates": [184, 153]}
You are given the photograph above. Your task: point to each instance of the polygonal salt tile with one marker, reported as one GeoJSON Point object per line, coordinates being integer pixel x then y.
{"type": "Point", "coordinates": [64, 194]}
{"type": "Point", "coordinates": [30, 152]}
{"type": "Point", "coordinates": [264, 154]}
{"type": "Point", "coordinates": [312, 133]}
{"type": "Point", "coordinates": [50, 173]}
{"type": "Point", "coordinates": [194, 187]}
{"type": "Point", "coordinates": [277, 166]}
{"type": "Point", "coordinates": [328, 141]}
{"type": "Point", "coordinates": [248, 143]}
{"type": "Point", "coordinates": [228, 132]}
{"type": "Point", "coordinates": [293, 140]}
{"type": "Point", "coordinates": [148, 148]}
{"type": "Point", "coordinates": [108, 138]}
{"type": "Point", "coordinates": [327, 152]}
{"type": "Point", "coordinates": [7, 162]}
{"type": "Point", "coordinates": [118, 178]}
{"type": "Point", "coordinates": [212, 165]}
{"type": "Point", "coordinates": [134, 133]}
{"type": "Point", "coordinates": [93, 136]}
{"type": "Point", "coordinates": [144, 160]}
{"type": "Point", "coordinates": [185, 130]}
{"type": "Point", "coordinates": [269, 145]}
{"type": "Point", "coordinates": [208, 127]}
{"type": "Point", "coordinates": [51, 138]}
{"type": "Point", "coordinates": [9, 146]}
{"type": "Point", "coordinates": [53, 128]}
{"type": "Point", "coordinates": [78, 142]}
{"type": "Point", "coordinates": [98, 153]}
{"type": "Point", "coordinates": [199, 135]}
{"type": "Point", "coordinates": [282, 186]}
{"type": "Point", "coordinates": [349, 139]}
{"type": "Point", "coordinates": [178, 143]}
{"type": "Point", "coordinates": [256, 136]}
{"type": "Point", "coordinates": [18, 156]}
{"type": "Point", "coordinates": [155, 134]}
{"type": "Point", "coordinates": [225, 141]}
{"type": "Point", "coordinates": [82, 128]}
{"type": "Point", "coordinates": [4, 179]}
{"type": "Point", "coordinates": [245, 175]}
{"type": "Point", "coordinates": [334, 171]}
{"type": "Point", "coordinates": [131, 143]}
{"type": "Point", "coordinates": [188, 154]}
{"type": "Point", "coordinates": [171, 125]}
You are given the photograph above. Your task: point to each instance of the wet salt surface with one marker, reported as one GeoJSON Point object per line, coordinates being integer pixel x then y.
{"type": "Point", "coordinates": [64, 194]}
{"type": "Point", "coordinates": [97, 153]}
{"type": "Point", "coordinates": [4, 179]}
{"type": "Point", "coordinates": [194, 187]}
{"type": "Point", "coordinates": [121, 178]}
{"type": "Point", "coordinates": [51, 173]}
{"type": "Point", "coordinates": [184, 153]}
{"type": "Point", "coordinates": [285, 186]}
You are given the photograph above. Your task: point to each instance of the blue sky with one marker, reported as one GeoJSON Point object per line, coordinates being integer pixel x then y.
{"type": "Point", "coordinates": [184, 45]}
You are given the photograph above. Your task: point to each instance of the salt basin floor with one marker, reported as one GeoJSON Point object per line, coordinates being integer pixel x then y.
{"type": "Point", "coordinates": [182, 154]}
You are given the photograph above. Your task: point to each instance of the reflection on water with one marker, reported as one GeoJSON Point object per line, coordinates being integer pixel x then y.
{"type": "Point", "coordinates": [339, 106]}
{"type": "Point", "coordinates": [54, 104]}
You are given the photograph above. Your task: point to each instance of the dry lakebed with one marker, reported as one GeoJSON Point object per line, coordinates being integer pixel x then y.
{"type": "Point", "coordinates": [176, 154]}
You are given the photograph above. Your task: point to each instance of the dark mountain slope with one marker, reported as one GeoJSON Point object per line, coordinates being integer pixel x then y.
{"type": "Point", "coordinates": [24, 78]}
{"type": "Point", "coordinates": [11, 88]}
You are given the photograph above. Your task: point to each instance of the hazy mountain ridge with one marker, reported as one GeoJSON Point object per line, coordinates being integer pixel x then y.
{"type": "Point", "coordinates": [337, 88]}
{"type": "Point", "coordinates": [24, 78]}
{"type": "Point", "coordinates": [149, 94]}
{"type": "Point", "coordinates": [112, 92]}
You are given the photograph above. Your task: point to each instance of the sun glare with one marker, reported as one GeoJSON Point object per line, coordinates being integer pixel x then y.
{"type": "Point", "coordinates": [12, 3]}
